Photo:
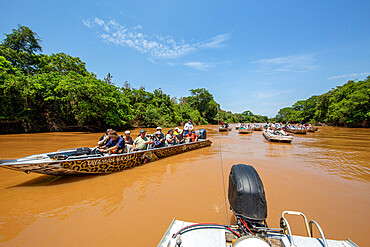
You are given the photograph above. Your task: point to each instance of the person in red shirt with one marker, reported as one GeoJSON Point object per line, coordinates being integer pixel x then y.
{"type": "Point", "coordinates": [192, 137]}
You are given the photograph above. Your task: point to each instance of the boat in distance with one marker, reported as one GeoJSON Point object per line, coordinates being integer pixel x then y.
{"type": "Point", "coordinates": [277, 136]}
{"type": "Point", "coordinates": [245, 131]}
{"type": "Point", "coordinates": [66, 162]}
{"type": "Point", "coordinates": [297, 131]}
{"type": "Point", "coordinates": [248, 203]}
{"type": "Point", "coordinates": [223, 129]}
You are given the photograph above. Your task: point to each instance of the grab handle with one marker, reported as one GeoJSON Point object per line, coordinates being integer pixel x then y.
{"type": "Point", "coordinates": [320, 231]}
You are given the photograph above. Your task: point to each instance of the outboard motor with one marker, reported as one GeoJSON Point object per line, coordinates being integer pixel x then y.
{"type": "Point", "coordinates": [247, 195]}
{"type": "Point", "coordinates": [202, 134]}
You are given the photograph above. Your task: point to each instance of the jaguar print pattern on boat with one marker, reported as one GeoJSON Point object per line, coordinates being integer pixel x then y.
{"type": "Point", "coordinates": [107, 164]}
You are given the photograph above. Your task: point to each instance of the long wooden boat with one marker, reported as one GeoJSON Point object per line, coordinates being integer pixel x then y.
{"type": "Point", "coordinates": [311, 129]}
{"type": "Point", "coordinates": [277, 138]}
{"type": "Point", "coordinates": [223, 129]}
{"type": "Point", "coordinates": [297, 131]}
{"type": "Point", "coordinates": [245, 131]}
{"type": "Point", "coordinates": [66, 162]}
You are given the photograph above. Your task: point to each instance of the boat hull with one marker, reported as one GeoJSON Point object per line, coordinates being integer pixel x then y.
{"type": "Point", "coordinates": [274, 138]}
{"type": "Point", "coordinates": [298, 131]}
{"type": "Point", "coordinates": [105, 164]}
{"type": "Point", "coordinates": [245, 131]}
{"type": "Point", "coordinates": [224, 129]}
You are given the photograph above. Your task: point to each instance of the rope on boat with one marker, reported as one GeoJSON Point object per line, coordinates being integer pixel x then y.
{"type": "Point", "coordinates": [222, 166]}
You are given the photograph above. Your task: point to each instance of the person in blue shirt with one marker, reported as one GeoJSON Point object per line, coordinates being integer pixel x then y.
{"type": "Point", "coordinates": [116, 143]}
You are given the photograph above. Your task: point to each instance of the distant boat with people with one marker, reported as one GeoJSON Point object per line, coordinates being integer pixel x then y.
{"type": "Point", "coordinates": [245, 131]}
{"type": "Point", "coordinates": [277, 136]}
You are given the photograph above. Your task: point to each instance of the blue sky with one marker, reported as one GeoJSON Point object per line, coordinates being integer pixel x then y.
{"type": "Point", "coordinates": [251, 55]}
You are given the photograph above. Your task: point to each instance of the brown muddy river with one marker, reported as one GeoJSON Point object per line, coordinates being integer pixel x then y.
{"type": "Point", "coordinates": [325, 175]}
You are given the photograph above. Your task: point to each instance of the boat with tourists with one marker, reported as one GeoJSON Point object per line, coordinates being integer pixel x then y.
{"type": "Point", "coordinates": [224, 129]}
{"type": "Point", "coordinates": [90, 161]}
{"type": "Point", "coordinates": [245, 131]}
{"type": "Point", "coordinates": [248, 203]}
{"type": "Point", "coordinates": [297, 130]}
{"type": "Point", "coordinates": [277, 136]}
{"type": "Point", "coordinates": [257, 127]}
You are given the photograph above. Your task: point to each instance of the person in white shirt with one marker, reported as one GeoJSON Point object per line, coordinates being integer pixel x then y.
{"type": "Point", "coordinates": [188, 127]}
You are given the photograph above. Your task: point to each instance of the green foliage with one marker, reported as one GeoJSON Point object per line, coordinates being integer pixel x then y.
{"type": "Point", "coordinates": [344, 105]}
{"type": "Point", "coordinates": [55, 92]}
{"type": "Point", "coordinates": [202, 100]}
{"type": "Point", "coordinates": [62, 63]}
{"type": "Point", "coordinates": [23, 39]}
{"type": "Point", "coordinates": [19, 49]}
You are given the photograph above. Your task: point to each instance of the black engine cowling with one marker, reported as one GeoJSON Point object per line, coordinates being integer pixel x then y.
{"type": "Point", "coordinates": [246, 193]}
{"type": "Point", "coordinates": [202, 134]}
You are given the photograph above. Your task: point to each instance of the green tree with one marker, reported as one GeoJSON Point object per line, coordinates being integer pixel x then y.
{"type": "Point", "coordinates": [20, 48]}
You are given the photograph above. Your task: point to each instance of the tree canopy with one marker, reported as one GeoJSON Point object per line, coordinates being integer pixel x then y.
{"type": "Point", "coordinates": [41, 92]}
{"type": "Point", "coordinates": [347, 105]}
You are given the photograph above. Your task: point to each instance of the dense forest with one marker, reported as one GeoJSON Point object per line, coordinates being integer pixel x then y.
{"type": "Point", "coordinates": [347, 105]}
{"type": "Point", "coordinates": [40, 92]}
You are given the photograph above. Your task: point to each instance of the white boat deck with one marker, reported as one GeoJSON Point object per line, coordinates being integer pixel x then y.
{"type": "Point", "coordinates": [217, 238]}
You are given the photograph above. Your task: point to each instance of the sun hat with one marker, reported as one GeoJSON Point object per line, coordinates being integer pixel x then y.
{"type": "Point", "coordinates": [113, 133]}
{"type": "Point", "coordinates": [127, 132]}
{"type": "Point", "coordinates": [159, 128]}
{"type": "Point", "coordinates": [177, 128]}
{"type": "Point", "coordinates": [142, 131]}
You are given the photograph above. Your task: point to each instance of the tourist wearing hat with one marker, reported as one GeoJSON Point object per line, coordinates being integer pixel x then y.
{"type": "Point", "coordinates": [188, 127]}
{"type": "Point", "coordinates": [128, 141]}
{"type": "Point", "coordinates": [128, 138]}
{"type": "Point", "coordinates": [158, 140]}
{"type": "Point", "coordinates": [104, 139]}
{"type": "Point", "coordinates": [179, 134]}
{"type": "Point", "coordinates": [141, 142]}
{"type": "Point", "coordinates": [160, 130]}
{"type": "Point", "coordinates": [171, 139]}
{"type": "Point", "coordinates": [116, 143]}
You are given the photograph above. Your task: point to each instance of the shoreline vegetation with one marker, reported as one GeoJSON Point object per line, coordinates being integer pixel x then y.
{"type": "Point", "coordinates": [44, 93]}
{"type": "Point", "coordinates": [345, 106]}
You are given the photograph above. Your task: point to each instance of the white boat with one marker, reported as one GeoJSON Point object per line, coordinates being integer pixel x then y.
{"type": "Point", "coordinates": [248, 203]}
{"type": "Point", "coordinates": [245, 131]}
{"type": "Point", "coordinates": [277, 136]}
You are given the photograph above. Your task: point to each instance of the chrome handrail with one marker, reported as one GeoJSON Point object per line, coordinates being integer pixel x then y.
{"type": "Point", "coordinates": [298, 214]}
{"type": "Point", "coordinates": [320, 231]}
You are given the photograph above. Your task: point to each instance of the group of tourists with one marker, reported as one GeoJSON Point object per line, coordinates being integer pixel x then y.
{"type": "Point", "coordinates": [287, 126]}
{"type": "Point", "coordinates": [112, 142]}
{"type": "Point", "coordinates": [224, 124]}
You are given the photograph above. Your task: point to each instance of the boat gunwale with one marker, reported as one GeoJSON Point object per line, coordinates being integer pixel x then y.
{"type": "Point", "coordinates": [45, 162]}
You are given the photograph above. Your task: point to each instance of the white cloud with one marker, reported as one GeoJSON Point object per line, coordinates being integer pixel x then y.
{"type": "Point", "coordinates": [153, 46]}
{"type": "Point", "coordinates": [270, 93]}
{"type": "Point", "coordinates": [200, 65]}
{"type": "Point", "coordinates": [296, 63]}
{"type": "Point", "coordinates": [349, 75]}
{"type": "Point", "coordinates": [217, 41]}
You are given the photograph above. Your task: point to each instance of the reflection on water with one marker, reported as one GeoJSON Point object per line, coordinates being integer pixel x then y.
{"type": "Point", "coordinates": [324, 174]}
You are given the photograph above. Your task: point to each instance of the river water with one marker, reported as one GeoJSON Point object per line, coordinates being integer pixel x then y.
{"type": "Point", "coordinates": [325, 175]}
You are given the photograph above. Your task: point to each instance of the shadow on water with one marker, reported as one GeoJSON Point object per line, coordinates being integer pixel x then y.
{"type": "Point", "coordinates": [50, 180]}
